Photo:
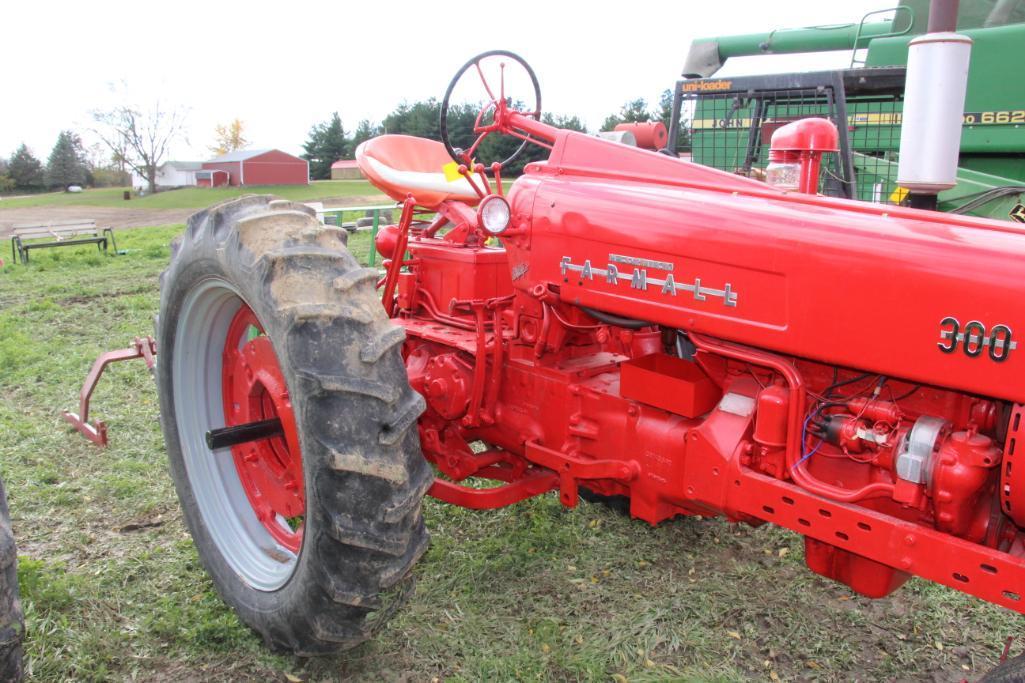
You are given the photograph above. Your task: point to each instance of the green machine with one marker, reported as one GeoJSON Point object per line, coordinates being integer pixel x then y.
{"type": "Point", "coordinates": [730, 120]}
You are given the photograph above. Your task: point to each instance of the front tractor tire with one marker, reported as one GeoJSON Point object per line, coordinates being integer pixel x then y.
{"type": "Point", "coordinates": [308, 534]}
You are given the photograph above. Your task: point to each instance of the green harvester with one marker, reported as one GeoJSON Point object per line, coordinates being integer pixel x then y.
{"type": "Point", "coordinates": [730, 120]}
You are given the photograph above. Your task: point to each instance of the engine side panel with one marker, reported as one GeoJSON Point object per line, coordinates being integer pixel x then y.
{"type": "Point", "coordinates": [933, 302]}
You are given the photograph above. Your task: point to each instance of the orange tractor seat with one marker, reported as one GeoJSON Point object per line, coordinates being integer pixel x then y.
{"type": "Point", "coordinates": [402, 165]}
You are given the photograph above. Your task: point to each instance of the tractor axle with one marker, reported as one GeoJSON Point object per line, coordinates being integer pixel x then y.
{"type": "Point", "coordinates": [226, 437]}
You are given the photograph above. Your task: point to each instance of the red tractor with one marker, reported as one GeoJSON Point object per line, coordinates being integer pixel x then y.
{"type": "Point", "coordinates": [617, 322]}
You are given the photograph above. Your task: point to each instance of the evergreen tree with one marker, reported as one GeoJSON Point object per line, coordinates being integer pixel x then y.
{"type": "Point", "coordinates": [364, 131]}
{"type": "Point", "coordinates": [665, 115]}
{"type": "Point", "coordinates": [66, 165]}
{"type": "Point", "coordinates": [6, 183]}
{"type": "Point", "coordinates": [567, 122]}
{"type": "Point", "coordinates": [325, 145]}
{"type": "Point", "coordinates": [422, 119]}
{"type": "Point", "coordinates": [634, 111]}
{"type": "Point", "coordinates": [25, 170]}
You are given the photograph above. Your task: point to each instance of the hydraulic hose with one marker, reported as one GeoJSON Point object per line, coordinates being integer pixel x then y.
{"type": "Point", "coordinates": [609, 319]}
{"type": "Point", "coordinates": [987, 196]}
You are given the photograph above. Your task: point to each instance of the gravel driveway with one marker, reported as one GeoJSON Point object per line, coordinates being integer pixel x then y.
{"type": "Point", "coordinates": [104, 216]}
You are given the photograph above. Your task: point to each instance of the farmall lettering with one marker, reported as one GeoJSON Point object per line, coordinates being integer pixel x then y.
{"type": "Point", "coordinates": [639, 279]}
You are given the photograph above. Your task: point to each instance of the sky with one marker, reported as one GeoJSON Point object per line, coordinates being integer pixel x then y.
{"type": "Point", "coordinates": [283, 67]}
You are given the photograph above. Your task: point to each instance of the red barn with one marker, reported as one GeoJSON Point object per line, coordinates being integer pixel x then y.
{"type": "Point", "coordinates": [261, 167]}
{"type": "Point", "coordinates": [346, 169]}
{"type": "Point", "coordinates": [214, 178]}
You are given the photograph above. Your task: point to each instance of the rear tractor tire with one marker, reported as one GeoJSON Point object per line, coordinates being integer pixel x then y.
{"type": "Point", "coordinates": [310, 533]}
{"type": "Point", "coordinates": [12, 619]}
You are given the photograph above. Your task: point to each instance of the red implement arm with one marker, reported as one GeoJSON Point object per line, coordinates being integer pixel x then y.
{"type": "Point", "coordinates": [145, 348]}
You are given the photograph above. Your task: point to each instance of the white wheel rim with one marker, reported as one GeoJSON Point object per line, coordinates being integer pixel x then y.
{"type": "Point", "coordinates": [229, 519]}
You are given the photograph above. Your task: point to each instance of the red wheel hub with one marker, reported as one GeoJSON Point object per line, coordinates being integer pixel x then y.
{"type": "Point", "coordinates": [271, 470]}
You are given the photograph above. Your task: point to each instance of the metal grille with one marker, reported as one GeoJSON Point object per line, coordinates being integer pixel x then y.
{"type": "Point", "coordinates": [873, 125]}
{"type": "Point", "coordinates": [731, 130]}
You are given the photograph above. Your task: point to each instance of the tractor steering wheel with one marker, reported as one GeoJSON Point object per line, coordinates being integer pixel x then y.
{"type": "Point", "coordinates": [481, 129]}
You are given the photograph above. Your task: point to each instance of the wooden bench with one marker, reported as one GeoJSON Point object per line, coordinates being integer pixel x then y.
{"type": "Point", "coordinates": [28, 236]}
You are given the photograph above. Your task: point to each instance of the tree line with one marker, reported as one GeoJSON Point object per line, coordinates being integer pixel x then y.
{"type": "Point", "coordinates": [138, 140]}
{"type": "Point", "coordinates": [67, 165]}
{"type": "Point", "coordinates": [328, 141]}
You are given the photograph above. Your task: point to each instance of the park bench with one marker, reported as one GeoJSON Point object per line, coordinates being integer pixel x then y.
{"type": "Point", "coordinates": [28, 236]}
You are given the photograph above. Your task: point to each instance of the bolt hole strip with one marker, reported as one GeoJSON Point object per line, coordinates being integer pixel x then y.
{"type": "Point", "coordinates": [933, 555]}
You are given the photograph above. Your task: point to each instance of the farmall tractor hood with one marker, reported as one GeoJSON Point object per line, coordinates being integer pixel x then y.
{"type": "Point", "coordinates": [931, 297]}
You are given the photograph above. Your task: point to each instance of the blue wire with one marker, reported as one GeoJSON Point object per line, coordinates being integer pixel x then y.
{"type": "Point", "coordinates": [804, 429]}
{"type": "Point", "coordinates": [804, 440]}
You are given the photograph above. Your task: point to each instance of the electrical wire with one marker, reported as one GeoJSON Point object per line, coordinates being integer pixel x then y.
{"type": "Point", "coordinates": [836, 385]}
{"type": "Point", "coordinates": [572, 326]}
{"type": "Point", "coordinates": [905, 394]}
{"type": "Point", "coordinates": [804, 431]}
{"type": "Point", "coordinates": [804, 444]}
{"type": "Point", "coordinates": [828, 400]}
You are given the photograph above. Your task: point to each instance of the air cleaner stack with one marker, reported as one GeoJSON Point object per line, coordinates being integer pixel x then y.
{"type": "Point", "coordinates": [934, 97]}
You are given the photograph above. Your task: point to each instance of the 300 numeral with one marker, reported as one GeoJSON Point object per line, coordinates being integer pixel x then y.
{"type": "Point", "coordinates": [973, 339]}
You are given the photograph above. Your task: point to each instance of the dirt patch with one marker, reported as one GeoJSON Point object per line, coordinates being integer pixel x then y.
{"type": "Point", "coordinates": [103, 215]}
{"type": "Point", "coordinates": [128, 217]}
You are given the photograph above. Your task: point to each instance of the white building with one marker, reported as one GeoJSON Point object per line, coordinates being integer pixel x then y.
{"type": "Point", "coordinates": [170, 174]}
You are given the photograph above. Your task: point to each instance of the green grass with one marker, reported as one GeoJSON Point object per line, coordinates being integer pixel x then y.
{"type": "Point", "coordinates": [192, 197]}
{"type": "Point", "coordinates": [113, 589]}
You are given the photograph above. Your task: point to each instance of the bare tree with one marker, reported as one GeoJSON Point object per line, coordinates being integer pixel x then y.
{"type": "Point", "coordinates": [140, 139]}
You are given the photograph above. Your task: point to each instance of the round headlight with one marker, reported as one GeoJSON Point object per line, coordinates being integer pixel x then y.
{"type": "Point", "coordinates": [494, 214]}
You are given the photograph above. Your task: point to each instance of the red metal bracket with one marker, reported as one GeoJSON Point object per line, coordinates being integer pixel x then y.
{"type": "Point", "coordinates": [535, 482]}
{"type": "Point", "coordinates": [571, 468]}
{"type": "Point", "coordinates": [145, 348]}
{"type": "Point", "coordinates": [481, 412]}
{"type": "Point", "coordinates": [397, 260]}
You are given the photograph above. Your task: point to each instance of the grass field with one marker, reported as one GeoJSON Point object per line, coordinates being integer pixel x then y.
{"type": "Point", "coordinates": [113, 590]}
{"type": "Point", "coordinates": [192, 197]}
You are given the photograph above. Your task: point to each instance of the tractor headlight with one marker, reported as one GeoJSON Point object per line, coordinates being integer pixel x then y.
{"type": "Point", "coordinates": [493, 214]}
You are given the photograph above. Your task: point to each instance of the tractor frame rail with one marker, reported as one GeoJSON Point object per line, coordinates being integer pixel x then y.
{"type": "Point", "coordinates": [142, 347]}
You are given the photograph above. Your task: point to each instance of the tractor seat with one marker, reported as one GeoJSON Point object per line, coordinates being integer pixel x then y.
{"type": "Point", "coordinates": [402, 165]}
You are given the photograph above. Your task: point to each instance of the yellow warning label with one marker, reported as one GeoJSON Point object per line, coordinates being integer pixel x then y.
{"type": "Point", "coordinates": [1017, 213]}
{"type": "Point", "coordinates": [451, 170]}
{"type": "Point", "coordinates": [898, 195]}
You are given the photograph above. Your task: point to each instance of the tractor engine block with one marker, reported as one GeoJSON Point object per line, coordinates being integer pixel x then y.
{"type": "Point", "coordinates": [526, 390]}
{"type": "Point", "coordinates": [703, 344]}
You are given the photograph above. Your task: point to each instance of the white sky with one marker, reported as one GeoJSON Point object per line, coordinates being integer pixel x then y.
{"type": "Point", "coordinates": [283, 66]}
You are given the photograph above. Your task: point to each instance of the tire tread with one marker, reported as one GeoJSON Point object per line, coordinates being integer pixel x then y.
{"type": "Point", "coordinates": [358, 551]}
